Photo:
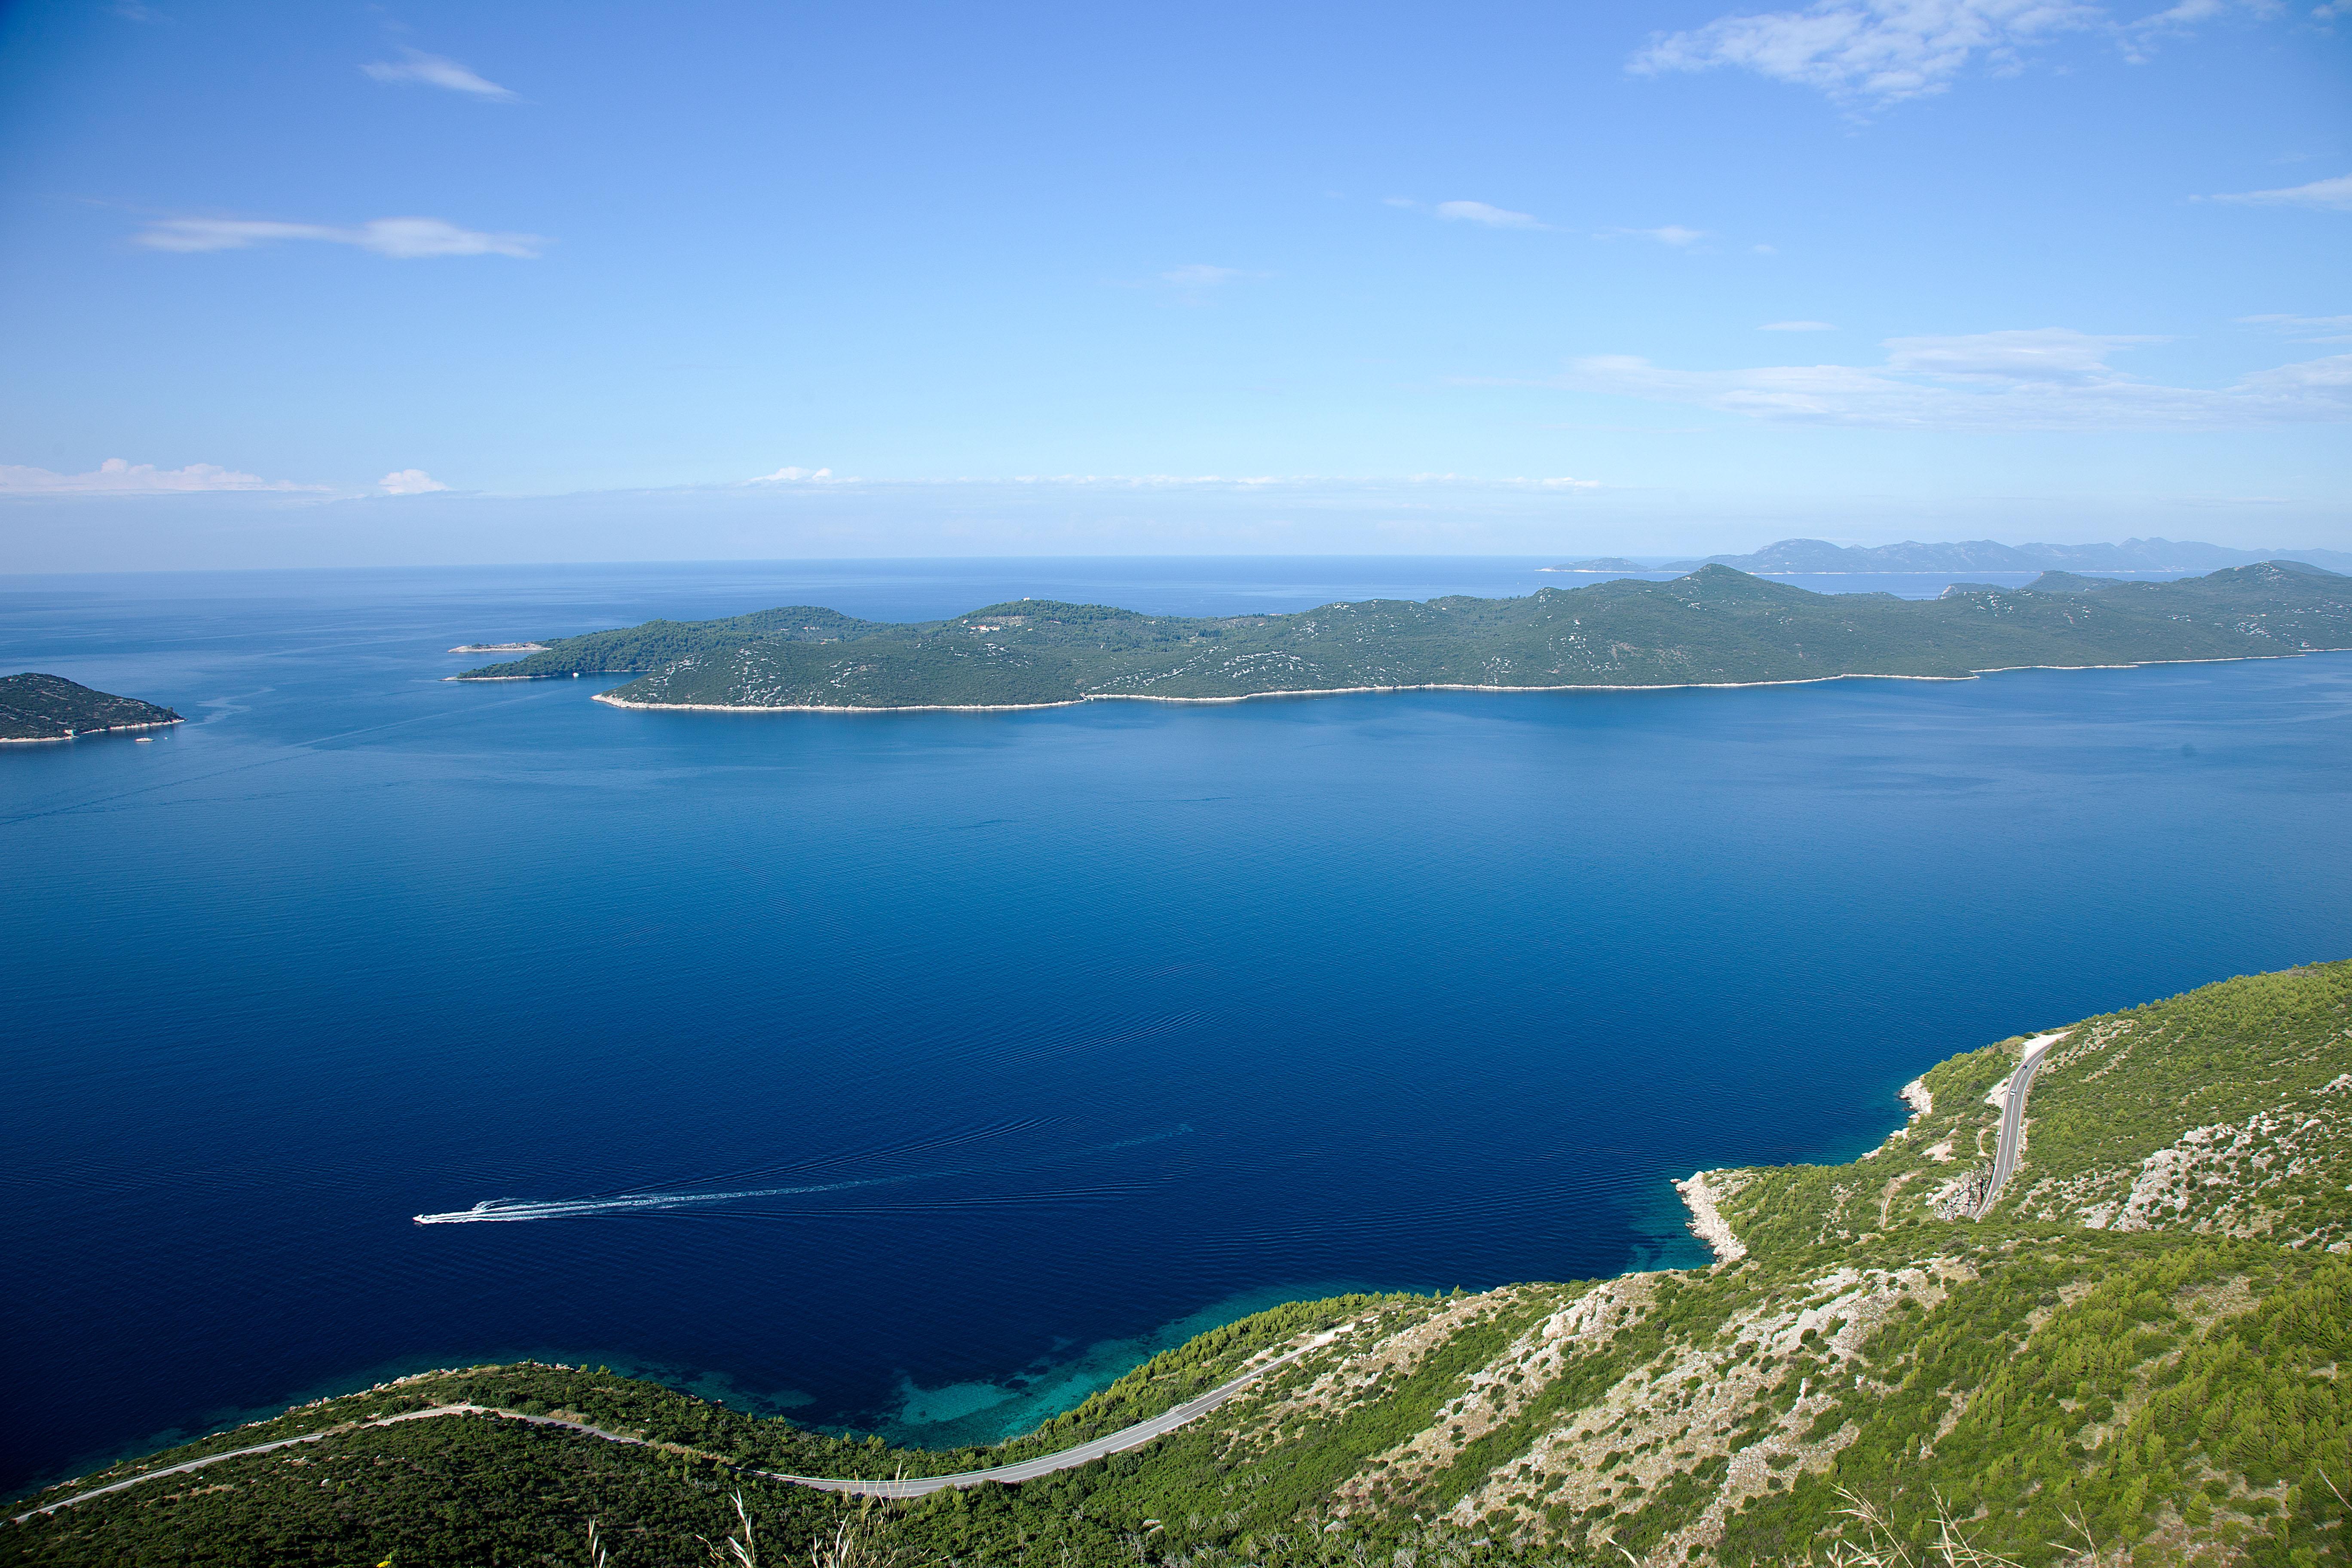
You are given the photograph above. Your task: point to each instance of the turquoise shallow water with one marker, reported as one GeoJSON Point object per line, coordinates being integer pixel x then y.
{"type": "Point", "coordinates": [1040, 1039]}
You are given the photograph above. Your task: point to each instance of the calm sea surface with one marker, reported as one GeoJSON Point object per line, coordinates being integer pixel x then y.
{"type": "Point", "coordinates": [997, 1050]}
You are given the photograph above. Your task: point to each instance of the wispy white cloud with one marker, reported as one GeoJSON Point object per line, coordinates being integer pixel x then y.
{"type": "Point", "coordinates": [2138, 38]}
{"type": "Point", "coordinates": [1797, 327]}
{"type": "Point", "coordinates": [1492, 216]}
{"type": "Point", "coordinates": [1195, 282]}
{"type": "Point", "coordinates": [1560, 483]}
{"type": "Point", "coordinates": [2050, 354]}
{"type": "Point", "coordinates": [1881, 50]}
{"type": "Point", "coordinates": [403, 238]}
{"type": "Point", "coordinates": [2310, 328]}
{"type": "Point", "coordinates": [117, 477]}
{"type": "Point", "coordinates": [2046, 379]}
{"type": "Point", "coordinates": [432, 71]}
{"type": "Point", "coordinates": [1199, 274]}
{"type": "Point", "coordinates": [1233, 482]}
{"type": "Point", "coordinates": [1673, 233]}
{"type": "Point", "coordinates": [2334, 195]}
{"type": "Point", "coordinates": [792, 477]}
{"type": "Point", "coordinates": [409, 482]}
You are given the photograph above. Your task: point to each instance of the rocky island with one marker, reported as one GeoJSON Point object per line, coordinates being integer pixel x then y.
{"type": "Point", "coordinates": [1716, 626]}
{"type": "Point", "coordinates": [36, 707]}
{"type": "Point", "coordinates": [2131, 1354]}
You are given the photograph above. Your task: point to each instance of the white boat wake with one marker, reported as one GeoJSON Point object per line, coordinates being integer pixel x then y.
{"type": "Point", "coordinates": [508, 1210]}
{"type": "Point", "coordinates": [491, 1209]}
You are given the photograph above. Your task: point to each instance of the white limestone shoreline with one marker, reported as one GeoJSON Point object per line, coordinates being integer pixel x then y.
{"type": "Point", "coordinates": [1706, 1221]}
{"type": "Point", "coordinates": [77, 735]}
{"type": "Point", "coordinates": [486, 679]}
{"type": "Point", "coordinates": [611, 701]}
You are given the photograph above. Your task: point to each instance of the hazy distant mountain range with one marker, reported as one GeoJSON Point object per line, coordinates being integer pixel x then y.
{"type": "Point", "coordinates": [1982, 555]}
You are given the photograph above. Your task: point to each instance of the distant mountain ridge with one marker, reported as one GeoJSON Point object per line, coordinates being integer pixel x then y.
{"type": "Point", "coordinates": [1982, 555]}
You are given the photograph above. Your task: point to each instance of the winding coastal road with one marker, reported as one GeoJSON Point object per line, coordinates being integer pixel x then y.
{"type": "Point", "coordinates": [2013, 1115]}
{"type": "Point", "coordinates": [264, 1449]}
{"type": "Point", "coordinates": [1118, 1442]}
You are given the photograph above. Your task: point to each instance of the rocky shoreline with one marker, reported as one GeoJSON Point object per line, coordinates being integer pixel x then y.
{"type": "Point", "coordinates": [1700, 1195]}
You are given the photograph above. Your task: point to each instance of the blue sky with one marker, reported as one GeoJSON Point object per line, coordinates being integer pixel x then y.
{"type": "Point", "coordinates": [295, 284]}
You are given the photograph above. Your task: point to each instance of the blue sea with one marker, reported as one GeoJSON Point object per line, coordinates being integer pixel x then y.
{"type": "Point", "coordinates": [921, 1072]}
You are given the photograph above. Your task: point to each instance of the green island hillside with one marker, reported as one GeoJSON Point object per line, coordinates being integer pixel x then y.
{"type": "Point", "coordinates": [1714, 626]}
{"type": "Point", "coordinates": [2137, 1355]}
{"type": "Point", "coordinates": [36, 707]}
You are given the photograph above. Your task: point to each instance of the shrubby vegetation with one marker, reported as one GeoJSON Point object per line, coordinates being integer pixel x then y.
{"type": "Point", "coordinates": [1715, 626]}
{"type": "Point", "coordinates": [36, 707]}
{"type": "Point", "coordinates": [1875, 1383]}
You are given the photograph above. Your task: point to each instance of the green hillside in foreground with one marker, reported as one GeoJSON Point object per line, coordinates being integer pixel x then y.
{"type": "Point", "coordinates": [36, 707]}
{"type": "Point", "coordinates": [2138, 1356]}
{"type": "Point", "coordinates": [1716, 625]}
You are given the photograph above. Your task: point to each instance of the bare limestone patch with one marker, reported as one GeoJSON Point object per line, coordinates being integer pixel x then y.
{"type": "Point", "coordinates": [1703, 1194]}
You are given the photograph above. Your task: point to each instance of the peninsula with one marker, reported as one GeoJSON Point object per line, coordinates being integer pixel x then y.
{"type": "Point", "coordinates": [36, 707]}
{"type": "Point", "coordinates": [1716, 626]}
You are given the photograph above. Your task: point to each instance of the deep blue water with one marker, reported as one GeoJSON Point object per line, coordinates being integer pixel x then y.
{"type": "Point", "coordinates": [1081, 1028]}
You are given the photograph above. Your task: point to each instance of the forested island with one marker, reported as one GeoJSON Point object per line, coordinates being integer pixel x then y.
{"type": "Point", "coordinates": [2132, 1354]}
{"type": "Point", "coordinates": [1716, 626]}
{"type": "Point", "coordinates": [34, 707]}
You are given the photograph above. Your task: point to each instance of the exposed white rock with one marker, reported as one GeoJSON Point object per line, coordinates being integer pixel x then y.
{"type": "Point", "coordinates": [1700, 1195]}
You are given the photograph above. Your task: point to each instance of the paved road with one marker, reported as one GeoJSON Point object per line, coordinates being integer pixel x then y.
{"type": "Point", "coordinates": [1133, 1436]}
{"type": "Point", "coordinates": [1119, 1442]}
{"type": "Point", "coordinates": [2013, 1115]}
{"type": "Point", "coordinates": [240, 1453]}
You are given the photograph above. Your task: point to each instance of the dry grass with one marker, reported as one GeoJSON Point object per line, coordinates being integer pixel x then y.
{"type": "Point", "coordinates": [1881, 1547]}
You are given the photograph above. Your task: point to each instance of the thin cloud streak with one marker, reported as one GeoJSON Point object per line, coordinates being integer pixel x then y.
{"type": "Point", "coordinates": [1673, 233]}
{"type": "Point", "coordinates": [2309, 328]}
{"type": "Point", "coordinates": [1492, 216]}
{"type": "Point", "coordinates": [1184, 481]}
{"type": "Point", "coordinates": [433, 71]}
{"type": "Point", "coordinates": [120, 476]}
{"type": "Point", "coordinates": [401, 238]}
{"type": "Point", "coordinates": [2044, 379]}
{"type": "Point", "coordinates": [2330, 195]}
